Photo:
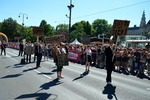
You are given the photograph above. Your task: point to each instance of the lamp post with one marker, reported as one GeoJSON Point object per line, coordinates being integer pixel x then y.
{"type": "Point", "coordinates": [70, 11]}
{"type": "Point", "coordinates": [23, 16]}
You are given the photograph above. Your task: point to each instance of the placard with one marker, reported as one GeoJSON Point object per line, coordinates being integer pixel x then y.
{"type": "Point", "coordinates": [37, 31]}
{"type": "Point", "coordinates": [16, 38]}
{"type": "Point", "coordinates": [63, 60]}
{"type": "Point", "coordinates": [86, 39]}
{"type": "Point", "coordinates": [120, 27]}
{"type": "Point", "coordinates": [56, 38]}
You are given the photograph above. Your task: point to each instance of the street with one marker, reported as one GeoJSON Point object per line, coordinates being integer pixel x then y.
{"type": "Point", "coordinates": [23, 82]}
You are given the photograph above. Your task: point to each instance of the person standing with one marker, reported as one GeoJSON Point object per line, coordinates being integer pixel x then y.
{"type": "Point", "coordinates": [39, 50]}
{"type": "Point", "coordinates": [137, 56]}
{"type": "Point", "coordinates": [28, 51]}
{"type": "Point", "coordinates": [34, 51]}
{"type": "Point", "coordinates": [57, 51]}
{"type": "Point", "coordinates": [3, 48]}
{"type": "Point", "coordinates": [88, 58]}
{"type": "Point", "coordinates": [46, 54]}
{"type": "Point", "coordinates": [109, 61]}
{"type": "Point", "coordinates": [21, 47]}
{"type": "Point", "coordinates": [148, 63]}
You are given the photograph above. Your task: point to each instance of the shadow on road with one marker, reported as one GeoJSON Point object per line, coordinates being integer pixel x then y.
{"type": "Point", "coordinates": [52, 83]}
{"type": "Point", "coordinates": [38, 96]}
{"type": "Point", "coordinates": [81, 75]}
{"type": "Point", "coordinates": [44, 73]}
{"type": "Point", "coordinates": [143, 76]}
{"type": "Point", "coordinates": [110, 91]}
{"type": "Point", "coordinates": [11, 76]}
{"type": "Point", "coordinates": [54, 70]}
{"type": "Point", "coordinates": [30, 69]}
{"type": "Point", "coordinates": [18, 65]}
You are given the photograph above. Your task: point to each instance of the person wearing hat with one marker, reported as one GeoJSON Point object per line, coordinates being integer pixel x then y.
{"type": "Point", "coordinates": [109, 61]}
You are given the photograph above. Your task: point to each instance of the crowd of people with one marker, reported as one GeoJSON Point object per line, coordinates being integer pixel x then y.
{"type": "Point", "coordinates": [128, 60]}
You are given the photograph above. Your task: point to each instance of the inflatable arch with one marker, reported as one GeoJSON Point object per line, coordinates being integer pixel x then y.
{"type": "Point", "coordinates": [3, 37]}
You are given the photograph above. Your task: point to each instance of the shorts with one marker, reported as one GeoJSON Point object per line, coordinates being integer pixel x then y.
{"type": "Point", "coordinates": [59, 68]}
{"type": "Point", "coordinates": [88, 58]}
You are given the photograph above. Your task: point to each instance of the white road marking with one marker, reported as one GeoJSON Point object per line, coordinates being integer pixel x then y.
{"type": "Point", "coordinates": [15, 60]}
{"type": "Point", "coordinates": [148, 89]}
{"type": "Point", "coordinates": [29, 67]}
{"type": "Point", "coordinates": [43, 74]}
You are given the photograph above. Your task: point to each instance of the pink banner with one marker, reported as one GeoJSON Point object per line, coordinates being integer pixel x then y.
{"type": "Point", "coordinates": [74, 56]}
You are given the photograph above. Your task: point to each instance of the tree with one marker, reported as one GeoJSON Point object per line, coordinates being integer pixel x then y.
{"type": "Point", "coordinates": [101, 26]}
{"type": "Point", "coordinates": [148, 35]}
{"type": "Point", "coordinates": [87, 27]}
{"type": "Point", "coordinates": [48, 29]}
{"type": "Point", "coordinates": [78, 32]}
{"type": "Point", "coordinates": [9, 27]}
{"type": "Point", "coordinates": [62, 27]}
{"type": "Point", "coordinates": [0, 26]}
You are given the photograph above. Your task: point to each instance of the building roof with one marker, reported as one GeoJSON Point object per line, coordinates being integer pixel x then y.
{"type": "Point", "coordinates": [148, 22]}
{"type": "Point", "coordinates": [133, 28]}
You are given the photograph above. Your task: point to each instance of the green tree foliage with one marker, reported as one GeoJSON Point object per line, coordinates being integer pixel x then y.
{"type": "Point", "coordinates": [78, 32]}
{"type": "Point", "coordinates": [28, 34]}
{"type": "Point", "coordinates": [148, 35]}
{"type": "Point", "coordinates": [88, 29]}
{"type": "Point", "coordinates": [48, 29]}
{"type": "Point", "coordinates": [81, 28]}
{"type": "Point", "coordinates": [9, 27]}
{"type": "Point", "coordinates": [62, 27]}
{"type": "Point", "coordinates": [0, 26]}
{"type": "Point", "coordinates": [101, 26]}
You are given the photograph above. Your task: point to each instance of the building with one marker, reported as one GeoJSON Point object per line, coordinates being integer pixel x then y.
{"type": "Point", "coordinates": [138, 32]}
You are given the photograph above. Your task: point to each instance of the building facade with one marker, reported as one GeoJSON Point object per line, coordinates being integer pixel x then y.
{"type": "Point", "coordinates": [138, 32]}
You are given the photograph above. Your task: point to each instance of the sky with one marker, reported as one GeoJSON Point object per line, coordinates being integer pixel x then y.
{"type": "Point", "coordinates": [54, 11]}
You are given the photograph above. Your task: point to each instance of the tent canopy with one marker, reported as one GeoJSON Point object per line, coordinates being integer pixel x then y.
{"type": "Point", "coordinates": [76, 42]}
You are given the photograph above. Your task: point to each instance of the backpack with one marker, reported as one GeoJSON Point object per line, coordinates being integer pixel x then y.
{"type": "Point", "coordinates": [22, 61]}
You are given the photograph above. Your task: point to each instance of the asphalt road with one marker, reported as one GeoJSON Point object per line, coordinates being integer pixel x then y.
{"type": "Point", "coordinates": [23, 82]}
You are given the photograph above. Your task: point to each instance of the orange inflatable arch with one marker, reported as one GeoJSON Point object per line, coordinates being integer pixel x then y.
{"type": "Point", "coordinates": [4, 36]}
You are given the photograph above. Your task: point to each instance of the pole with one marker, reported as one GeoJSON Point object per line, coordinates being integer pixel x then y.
{"type": "Point", "coordinates": [103, 38]}
{"type": "Point", "coordinates": [23, 15]}
{"type": "Point", "coordinates": [70, 11]}
{"type": "Point", "coordinates": [115, 47]}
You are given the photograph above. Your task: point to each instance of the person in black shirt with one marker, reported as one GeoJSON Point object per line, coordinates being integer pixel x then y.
{"type": "Point", "coordinates": [21, 47]}
{"type": "Point", "coordinates": [3, 48]}
{"type": "Point", "coordinates": [109, 61]}
{"type": "Point", "coordinates": [38, 53]}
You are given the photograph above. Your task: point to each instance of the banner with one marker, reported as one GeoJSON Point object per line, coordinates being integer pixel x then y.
{"type": "Point", "coordinates": [74, 56]}
{"type": "Point", "coordinates": [56, 38]}
{"type": "Point", "coordinates": [120, 27]}
{"type": "Point", "coordinates": [37, 31]}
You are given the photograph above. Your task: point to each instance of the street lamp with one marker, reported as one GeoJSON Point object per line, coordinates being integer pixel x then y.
{"type": "Point", "coordinates": [70, 10]}
{"type": "Point", "coordinates": [23, 15]}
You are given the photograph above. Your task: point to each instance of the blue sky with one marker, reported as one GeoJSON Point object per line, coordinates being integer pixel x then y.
{"type": "Point", "coordinates": [54, 11]}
